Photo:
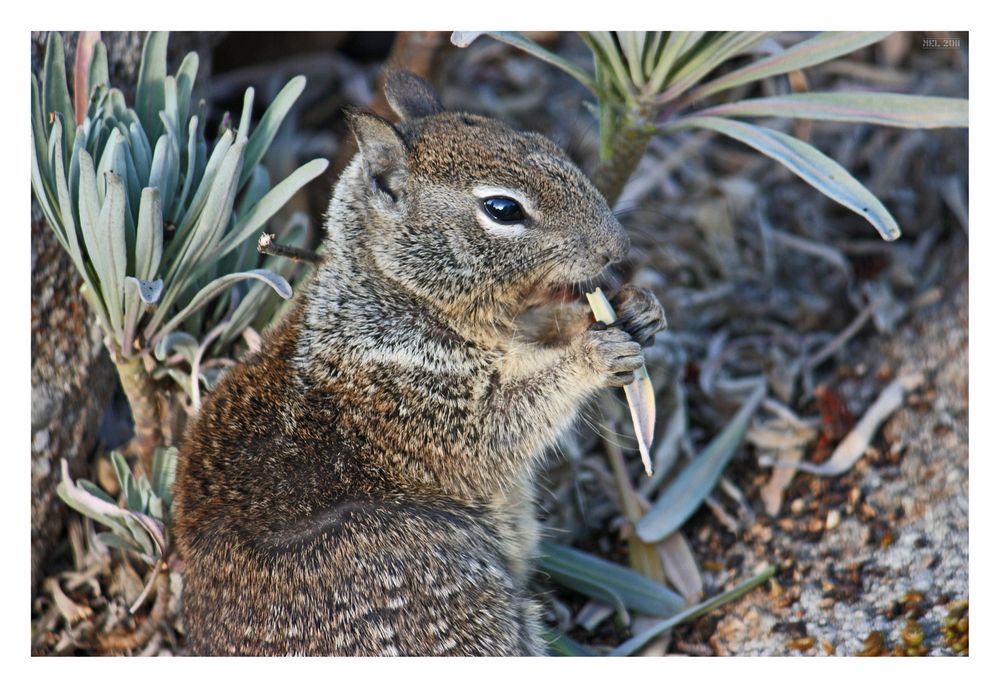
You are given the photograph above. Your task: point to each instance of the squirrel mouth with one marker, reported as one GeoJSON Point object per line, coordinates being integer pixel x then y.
{"type": "Point", "coordinates": [564, 293]}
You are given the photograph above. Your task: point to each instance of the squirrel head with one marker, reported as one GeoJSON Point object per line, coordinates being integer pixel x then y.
{"type": "Point", "coordinates": [469, 214]}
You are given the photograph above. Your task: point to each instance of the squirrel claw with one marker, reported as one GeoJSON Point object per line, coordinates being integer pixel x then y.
{"type": "Point", "coordinates": [639, 313]}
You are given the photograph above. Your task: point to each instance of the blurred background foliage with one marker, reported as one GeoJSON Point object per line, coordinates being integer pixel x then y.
{"type": "Point", "coordinates": [771, 289]}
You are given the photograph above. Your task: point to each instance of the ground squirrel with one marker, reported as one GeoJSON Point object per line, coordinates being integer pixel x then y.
{"type": "Point", "coordinates": [363, 484]}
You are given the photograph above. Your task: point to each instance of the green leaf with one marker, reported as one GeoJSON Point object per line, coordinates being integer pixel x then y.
{"type": "Point", "coordinates": [270, 204]}
{"type": "Point", "coordinates": [150, 96]}
{"type": "Point", "coordinates": [156, 508]}
{"type": "Point", "coordinates": [808, 163]}
{"type": "Point", "coordinates": [137, 292]}
{"type": "Point", "coordinates": [563, 646]}
{"type": "Point", "coordinates": [110, 539]}
{"type": "Point", "coordinates": [170, 112]}
{"type": "Point", "coordinates": [676, 42]}
{"type": "Point", "coordinates": [55, 93]}
{"type": "Point", "coordinates": [606, 581]}
{"type": "Point", "coordinates": [68, 225]}
{"type": "Point", "coordinates": [149, 235]}
{"type": "Point", "coordinates": [706, 59]}
{"type": "Point", "coordinates": [122, 470]}
{"type": "Point", "coordinates": [39, 159]}
{"type": "Point", "coordinates": [688, 490]}
{"type": "Point", "coordinates": [260, 184]}
{"type": "Point", "coordinates": [186, 75]}
{"type": "Point", "coordinates": [637, 642]}
{"type": "Point", "coordinates": [111, 244]}
{"type": "Point", "coordinates": [164, 474]}
{"type": "Point", "coordinates": [146, 490]}
{"type": "Point", "coordinates": [217, 286]}
{"type": "Point", "coordinates": [181, 342]}
{"type": "Point", "coordinates": [632, 43]}
{"type": "Point", "coordinates": [90, 505]}
{"type": "Point", "coordinates": [163, 173]}
{"type": "Point", "coordinates": [97, 72]}
{"type": "Point", "coordinates": [267, 128]}
{"type": "Point", "coordinates": [464, 38]}
{"type": "Point", "coordinates": [244, 126]}
{"type": "Point", "coordinates": [74, 170]}
{"type": "Point", "coordinates": [112, 160]}
{"type": "Point", "coordinates": [90, 213]}
{"type": "Point", "coordinates": [822, 48]}
{"type": "Point", "coordinates": [141, 153]}
{"type": "Point", "coordinates": [605, 50]}
{"type": "Point", "coordinates": [115, 108]}
{"type": "Point", "coordinates": [95, 490]}
{"type": "Point", "coordinates": [201, 241]}
{"type": "Point", "coordinates": [193, 211]}
{"type": "Point", "coordinates": [192, 162]}
{"type": "Point", "coordinates": [653, 46]}
{"type": "Point", "coordinates": [885, 109]}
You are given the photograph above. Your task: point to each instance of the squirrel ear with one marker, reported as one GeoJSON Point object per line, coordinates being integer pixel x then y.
{"type": "Point", "coordinates": [410, 96]}
{"type": "Point", "coordinates": [382, 150]}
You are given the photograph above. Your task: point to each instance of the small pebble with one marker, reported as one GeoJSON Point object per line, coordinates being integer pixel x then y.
{"type": "Point", "coordinates": [832, 519]}
{"type": "Point", "coordinates": [801, 644]}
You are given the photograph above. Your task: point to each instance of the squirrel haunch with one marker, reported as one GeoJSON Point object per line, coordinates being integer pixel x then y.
{"type": "Point", "coordinates": [364, 483]}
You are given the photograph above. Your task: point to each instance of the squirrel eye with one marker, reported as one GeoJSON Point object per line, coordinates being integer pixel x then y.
{"type": "Point", "coordinates": [504, 210]}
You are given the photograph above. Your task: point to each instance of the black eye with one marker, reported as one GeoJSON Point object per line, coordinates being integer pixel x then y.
{"type": "Point", "coordinates": [504, 210]}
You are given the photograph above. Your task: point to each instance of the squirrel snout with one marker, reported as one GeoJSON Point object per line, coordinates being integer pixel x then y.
{"type": "Point", "coordinates": [613, 246]}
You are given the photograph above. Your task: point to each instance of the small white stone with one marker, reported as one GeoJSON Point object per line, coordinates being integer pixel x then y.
{"type": "Point", "coordinates": [832, 519]}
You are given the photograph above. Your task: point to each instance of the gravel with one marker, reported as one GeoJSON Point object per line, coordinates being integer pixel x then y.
{"type": "Point", "coordinates": [898, 545]}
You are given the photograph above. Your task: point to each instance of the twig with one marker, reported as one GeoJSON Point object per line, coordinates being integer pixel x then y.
{"type": "Point", "coordinates": [196, 363]}
{"type": "Point", "coordinates": [267, 246]}
{"type": "Point", "coordinates": [841, 339]}
{"type": "Point", "coordinates": [121, 642]}
{"type": "Point", "coordinates": [859, 438]}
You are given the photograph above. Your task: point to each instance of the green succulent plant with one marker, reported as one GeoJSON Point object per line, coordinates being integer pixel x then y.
{"type": "Point", "coordinates": [140, 525]}
{"type": "Point", "coordinates": [661, 82]}
{"type": "Point", "coordinates": [159, 221]}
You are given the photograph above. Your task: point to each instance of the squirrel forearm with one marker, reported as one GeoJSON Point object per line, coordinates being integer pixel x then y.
{"type": "Point", "coordinates": [527, 410]}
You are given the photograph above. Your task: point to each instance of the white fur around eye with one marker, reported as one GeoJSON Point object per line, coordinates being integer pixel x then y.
{"type": "Point", "coordinates": [493, 227]}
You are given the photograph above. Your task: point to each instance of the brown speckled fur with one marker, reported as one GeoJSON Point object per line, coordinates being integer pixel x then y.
{"type": "Point", "coordinates": [363, 485]}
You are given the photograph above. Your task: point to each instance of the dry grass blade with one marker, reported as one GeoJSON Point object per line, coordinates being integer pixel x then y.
{"type": "Point", "coordinates": [680, 566]}
{"type": "Point", "coordinates": [640, 395]}
{"type": "Point", "coordinates": [643, 557]}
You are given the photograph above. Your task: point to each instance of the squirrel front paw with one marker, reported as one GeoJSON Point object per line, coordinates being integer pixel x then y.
{"type": "Point", "coordinates": [612, 354]}
{"type": "Point", "coordinates": [639, 313]}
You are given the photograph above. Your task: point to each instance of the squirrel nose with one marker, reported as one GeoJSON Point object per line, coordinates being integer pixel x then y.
{"type": "Point", "coordinates": [616, 246]}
